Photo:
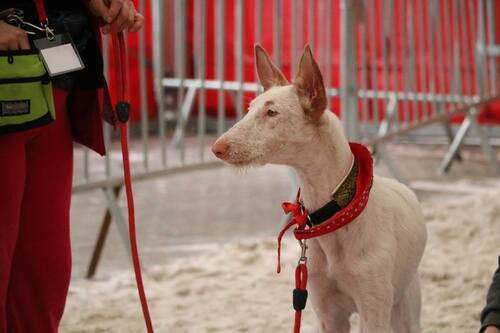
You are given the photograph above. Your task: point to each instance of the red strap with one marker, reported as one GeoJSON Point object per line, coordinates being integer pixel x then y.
{"type": "Point", "coordinates": [40, 8]}
{"type": "Point", "coordinates": [120, 54]}
{"type": "Point", "coordinates": [301, 276]}
{"type": "Point", "coordinates": [299, 217]}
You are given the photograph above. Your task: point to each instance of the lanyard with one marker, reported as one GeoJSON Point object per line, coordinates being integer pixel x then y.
{"type": "Point", "coordinates": [42, 14]}
{"type": "Point", "coordinates": [44, 19]}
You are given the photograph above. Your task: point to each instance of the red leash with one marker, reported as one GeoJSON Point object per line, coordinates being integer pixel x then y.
{"type": "Point", "coordinates": [122, 110]}
{"type": "Point", "coordinates": [299, 218]}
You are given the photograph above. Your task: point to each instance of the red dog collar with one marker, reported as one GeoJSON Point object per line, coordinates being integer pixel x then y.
{"type": "Point", "coordinates": [340, 218]}
{"type": "Point", "coordinates": [300, 214]}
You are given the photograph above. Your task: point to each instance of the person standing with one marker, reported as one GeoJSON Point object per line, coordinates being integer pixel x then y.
{"type": "Point", "coordinates": [36, 163]}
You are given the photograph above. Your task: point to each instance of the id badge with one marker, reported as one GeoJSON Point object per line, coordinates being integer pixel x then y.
{"type": "Point", "coordinates": [59, 55]}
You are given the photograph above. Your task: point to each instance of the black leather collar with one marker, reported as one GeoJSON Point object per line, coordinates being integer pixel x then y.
{"type": "Point", "coordinates": [340, 199]}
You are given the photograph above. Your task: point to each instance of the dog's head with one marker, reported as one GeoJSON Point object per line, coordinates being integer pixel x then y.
{"type": "Point", "coordinates": [280, 121]}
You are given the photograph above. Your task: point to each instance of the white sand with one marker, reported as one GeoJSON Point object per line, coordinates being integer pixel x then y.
{"type": "Point", "coordinates": [236, 289]}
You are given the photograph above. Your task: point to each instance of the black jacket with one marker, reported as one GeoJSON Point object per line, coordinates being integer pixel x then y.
{"type": "Point", "coordinates": [490, 316]}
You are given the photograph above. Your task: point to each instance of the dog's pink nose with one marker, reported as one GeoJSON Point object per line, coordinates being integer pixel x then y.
{"type": "Point", "coordinates": [220, 148]}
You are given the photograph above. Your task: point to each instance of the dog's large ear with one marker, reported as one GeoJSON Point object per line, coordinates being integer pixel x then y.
{"type": "Point", "coordinates": [269, 75]}
{"type": "Point", "coordinates": [309, 85]}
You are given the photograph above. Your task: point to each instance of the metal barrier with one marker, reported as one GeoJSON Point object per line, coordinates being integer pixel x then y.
{"type": "Point", "coordinates": [420, 63]}
{"type": "Point", "coordinates": [154, 151]}
{"type": "Point", "coordinates": [390, 66]}
{"type": "Point", "coordinates": [404, 64]}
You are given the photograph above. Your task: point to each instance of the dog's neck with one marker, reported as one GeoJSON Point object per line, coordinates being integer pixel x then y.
{"type": "Point", "coordinates": [324, 163]}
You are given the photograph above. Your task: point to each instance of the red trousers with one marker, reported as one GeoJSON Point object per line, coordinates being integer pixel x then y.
{"type": "Point", "coordinates": [36, 168]}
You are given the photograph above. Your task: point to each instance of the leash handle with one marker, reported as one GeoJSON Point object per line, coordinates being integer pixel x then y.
{"type": "Point", "coordinates": [123, 109]}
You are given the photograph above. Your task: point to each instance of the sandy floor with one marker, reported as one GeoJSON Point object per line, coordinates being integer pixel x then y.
{"type": "Point", "coordinates": [234, 287]}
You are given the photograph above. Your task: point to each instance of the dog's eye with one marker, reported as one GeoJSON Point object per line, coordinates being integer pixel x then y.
{"type": "Point", "coordinates": [271, 112]}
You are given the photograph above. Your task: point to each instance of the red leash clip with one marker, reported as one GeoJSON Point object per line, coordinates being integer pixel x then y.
{"type": "Point", "coordinates": [299, 218]}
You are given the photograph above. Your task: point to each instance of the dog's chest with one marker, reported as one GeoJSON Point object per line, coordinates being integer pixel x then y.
{"type": "Point", "coordinates": [330, 254]}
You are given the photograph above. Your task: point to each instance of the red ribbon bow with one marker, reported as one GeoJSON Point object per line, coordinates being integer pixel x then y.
{"type": "Point", "coordinates": [299, 217]}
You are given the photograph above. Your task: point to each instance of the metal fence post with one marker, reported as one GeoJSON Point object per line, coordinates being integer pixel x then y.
{"type": "Point", "coordinates": [180, 71]}
{"type": "Point", "coordinates": [348, 74]}
{"type": "Point", "coordinates": [220, 64]}
{"type": "Point", "coordinates": [277, 30]}
{"type": "Point", "coordinates": [201, 62]}
{"type": "Point", "coordinates": [143, 91]}
{"type": "Point", "coordinates": [238, 54]}
{"type": "Point", "coordinates": [157, 9]}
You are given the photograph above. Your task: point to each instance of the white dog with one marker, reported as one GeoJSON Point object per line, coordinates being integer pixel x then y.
{"type": "Point", "coordinates": [370, 265]}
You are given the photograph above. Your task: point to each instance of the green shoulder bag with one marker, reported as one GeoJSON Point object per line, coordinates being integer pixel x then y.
{"type": "Point", "coordinates": [26, 98]}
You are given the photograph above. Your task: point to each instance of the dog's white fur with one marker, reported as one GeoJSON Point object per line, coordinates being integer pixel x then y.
{"type": "Point", "coordinates": [369, 266]}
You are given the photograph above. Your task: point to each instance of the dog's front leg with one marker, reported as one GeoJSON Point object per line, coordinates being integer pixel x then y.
{"type": "Point", "coordinates": [375, 316]}
{"type": "Point", "coordinates": [329, 308]}
{"type": "Point", "coordinates": [332, 308]}
{"type": "Point", "coordinates": [374, 301]}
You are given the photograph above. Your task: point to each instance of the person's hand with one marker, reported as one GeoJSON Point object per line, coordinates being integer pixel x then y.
{"type": "Point", "coordinates": [492, 329]}
{"type": "Point", "coordinates": [12, 38]}
{"type": "Point", "coordinates": [119, 14]}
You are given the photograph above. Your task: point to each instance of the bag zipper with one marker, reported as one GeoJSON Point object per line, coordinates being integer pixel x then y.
{"type": "Point", "coordinates": [42, 78]}
{"type": "Point", "coordinates": [27, 52]}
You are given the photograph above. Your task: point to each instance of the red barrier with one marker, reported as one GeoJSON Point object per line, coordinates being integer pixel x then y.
{"type": "Point", "coordinates": [490, 114]}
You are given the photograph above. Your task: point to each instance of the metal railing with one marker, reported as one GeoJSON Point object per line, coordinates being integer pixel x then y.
{"type": "Point", "coordinates": [391, 67]}
{"type": "Point", "coordinates": [421, 63]}
{"type": "Point", "coordinates": [403, 64]}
